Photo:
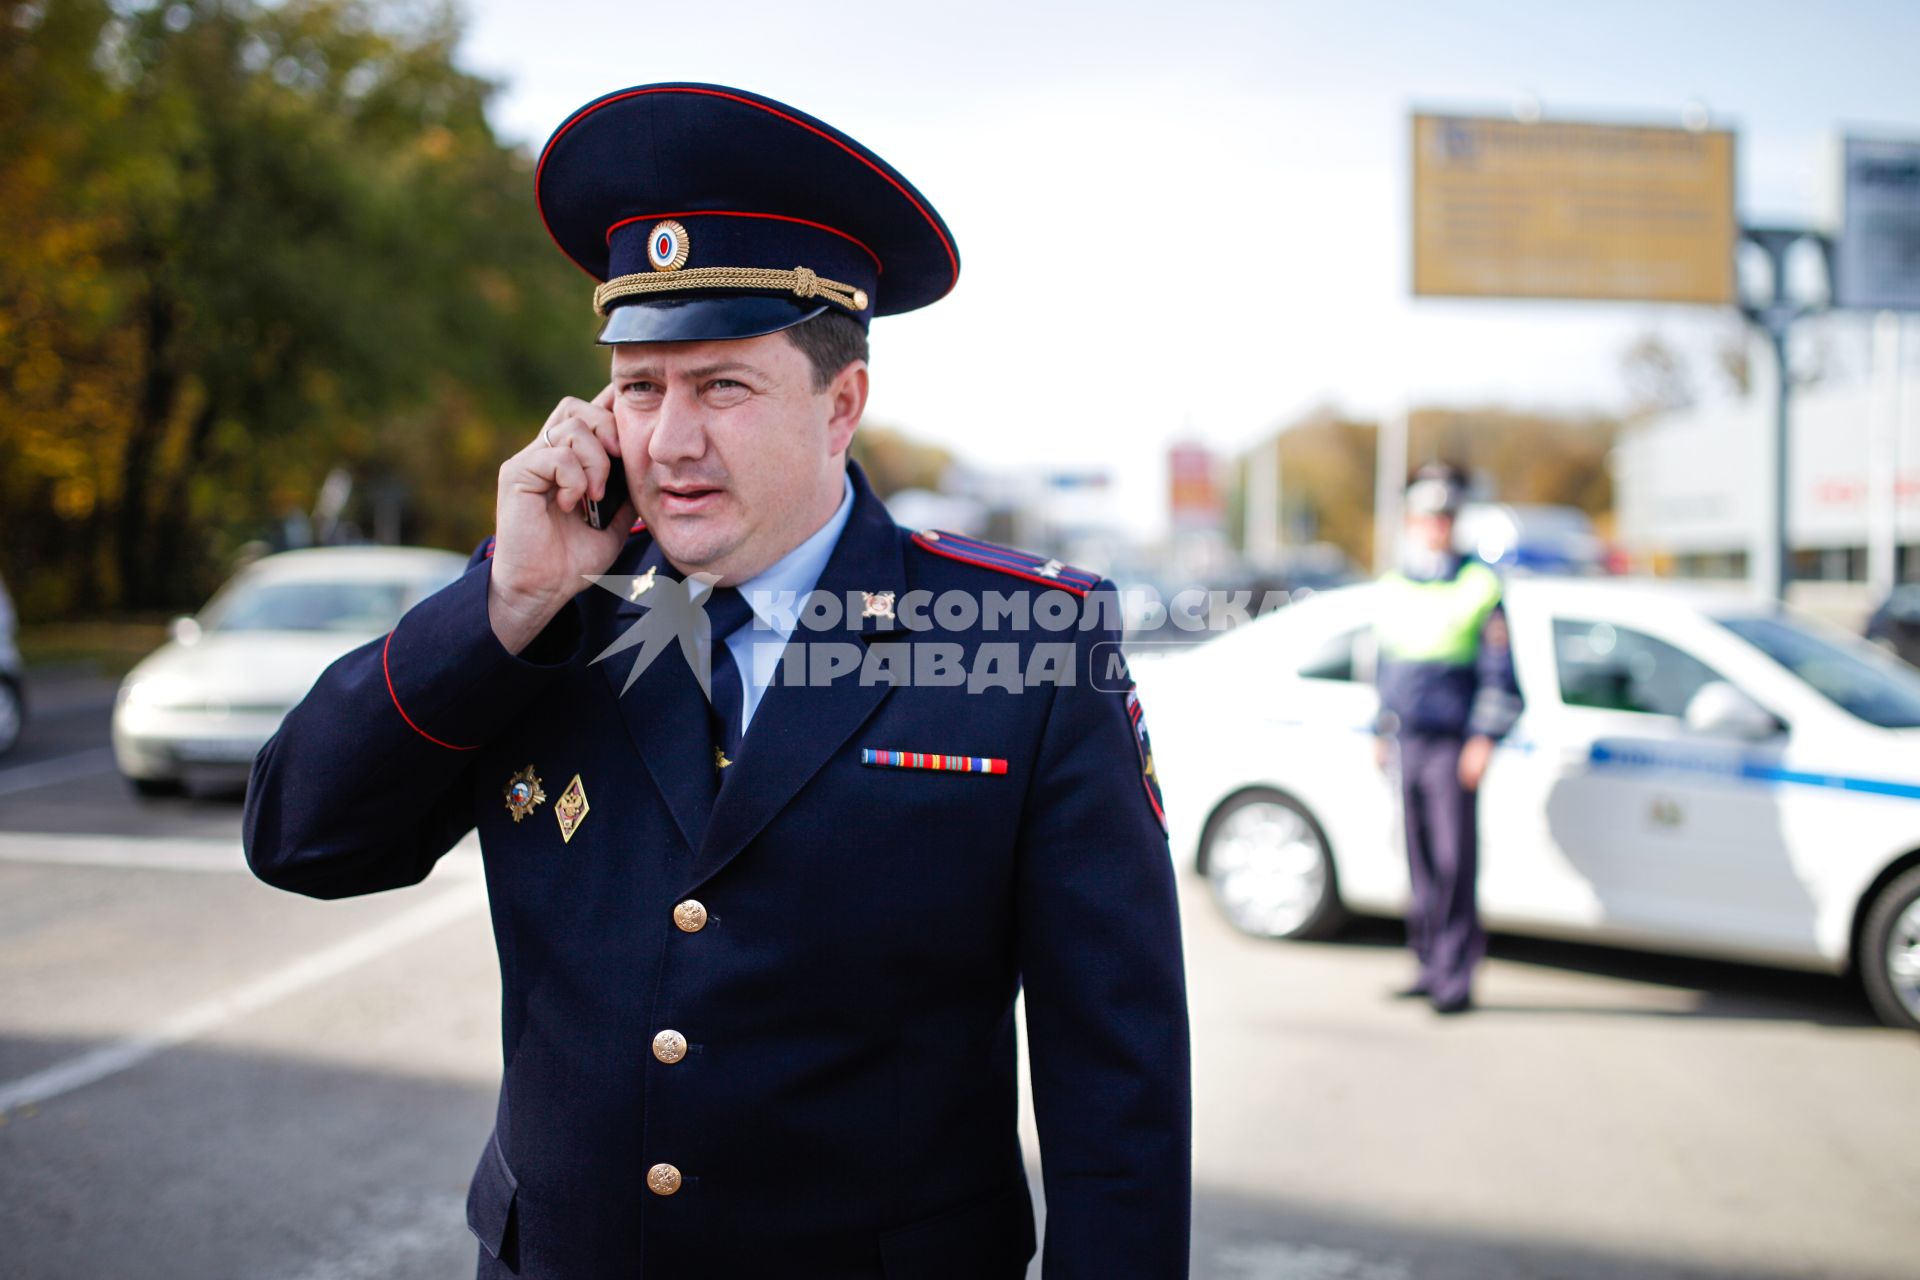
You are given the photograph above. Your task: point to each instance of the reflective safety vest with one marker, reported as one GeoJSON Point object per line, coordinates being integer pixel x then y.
{"type": "Point", "coordinates": [1436, 621]}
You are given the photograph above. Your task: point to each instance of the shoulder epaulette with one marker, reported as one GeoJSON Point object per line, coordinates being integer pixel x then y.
{"type": "Point", "coordinates": [1007, 560]}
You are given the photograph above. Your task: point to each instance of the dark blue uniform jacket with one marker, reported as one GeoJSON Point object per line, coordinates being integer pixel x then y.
{"type": "Point", "coordinates": [846, 1105]}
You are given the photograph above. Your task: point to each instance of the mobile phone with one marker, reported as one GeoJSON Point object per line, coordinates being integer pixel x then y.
{"type": "Point", "coordinates": [596, 514]}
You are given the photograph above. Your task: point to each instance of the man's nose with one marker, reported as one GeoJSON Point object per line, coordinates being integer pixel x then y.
{"type": "Point", "coordinates": [679, 430]}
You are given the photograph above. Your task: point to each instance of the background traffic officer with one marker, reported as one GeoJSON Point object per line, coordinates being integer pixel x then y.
{"type": "Point", "coordinates": [1447, 695]}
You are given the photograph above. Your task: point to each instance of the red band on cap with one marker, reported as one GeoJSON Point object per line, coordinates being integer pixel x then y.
{"type": "Point", "coordinates": [776, 217]}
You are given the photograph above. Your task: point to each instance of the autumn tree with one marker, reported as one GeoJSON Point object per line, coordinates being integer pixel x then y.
{"type": "Point", "coordinates": [245, 244]}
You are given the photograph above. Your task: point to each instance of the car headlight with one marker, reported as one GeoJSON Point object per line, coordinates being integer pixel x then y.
{"type": "Point", "coordinates": [151, 693]}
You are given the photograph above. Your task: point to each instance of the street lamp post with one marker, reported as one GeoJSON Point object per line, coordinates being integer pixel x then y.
{"type": "Point", "coordinates": [1775, 316]}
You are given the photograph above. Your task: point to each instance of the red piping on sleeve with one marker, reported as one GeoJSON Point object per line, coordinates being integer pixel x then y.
{"type": "Point", "coordinates": [385, 671]}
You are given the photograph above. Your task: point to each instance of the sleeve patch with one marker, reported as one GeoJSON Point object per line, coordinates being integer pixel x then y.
{"type": "Point", "coordinates": [1137, 717]}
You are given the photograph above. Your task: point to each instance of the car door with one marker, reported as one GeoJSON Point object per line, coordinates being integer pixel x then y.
{"type": "Point", "coordinates": [1327, 723]}
{"type": "Point", "coordinates": [1674, 831]}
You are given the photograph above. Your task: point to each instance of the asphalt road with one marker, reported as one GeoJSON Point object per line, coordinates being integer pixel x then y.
{"type": "Point", "coordinates": [201, 1077]}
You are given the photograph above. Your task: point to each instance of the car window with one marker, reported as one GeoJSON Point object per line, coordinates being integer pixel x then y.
{"type": "Point", "coordinates": [363, 606]}
{"type": "Point", "coordinates": [1878, 690]}
{"type": "Point", "coordinates": [1346, 655]}
{"type": "Point", "coordinates": [1616, 668]}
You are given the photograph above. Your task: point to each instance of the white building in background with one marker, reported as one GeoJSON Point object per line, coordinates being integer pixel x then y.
{"type": "Point", "coordinates": [1693, 490]}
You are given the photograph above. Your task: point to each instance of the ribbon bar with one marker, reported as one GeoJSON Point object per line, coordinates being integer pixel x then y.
{"type": "Point", "coordinates": [931, 760]}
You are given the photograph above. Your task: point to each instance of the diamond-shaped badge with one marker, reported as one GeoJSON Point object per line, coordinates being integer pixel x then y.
{"type": "Point", "coordinates": [570, 810]}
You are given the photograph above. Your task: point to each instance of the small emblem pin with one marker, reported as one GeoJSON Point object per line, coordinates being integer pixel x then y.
{"type": "Point", "coordinates": [879, 604]}
{"type": "Point", "coordinates": [570, 810]}
{"type": "Point", "coordinates": [720, 760]}
{"type": "Point", "coordinates": [642, 584]}
{"type": "Point", "coordinates": [1051, 569]}
{"type": "Point", "coordinates": [523, 793]}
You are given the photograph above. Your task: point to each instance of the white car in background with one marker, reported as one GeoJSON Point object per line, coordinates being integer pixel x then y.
{"type": "Point", "coordinates": [199, 708]}
{"type": "Point", "coordinates": [1693, 772]}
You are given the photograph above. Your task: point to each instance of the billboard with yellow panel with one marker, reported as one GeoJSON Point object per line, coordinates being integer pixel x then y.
{"type": "Point", "coordinates": [1554, 209]}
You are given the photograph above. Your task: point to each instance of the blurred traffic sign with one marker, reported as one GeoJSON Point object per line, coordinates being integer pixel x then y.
{"type": "Point", "coordinates": [1555, 209]}
{"type": "Point", "coordinates": [1877, 259]}
{"type": "Point", "coordinates": [1194, 499]}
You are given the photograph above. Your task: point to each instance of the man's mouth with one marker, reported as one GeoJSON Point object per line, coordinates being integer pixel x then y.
{"type": "Point", "coordinates": [682, 499]}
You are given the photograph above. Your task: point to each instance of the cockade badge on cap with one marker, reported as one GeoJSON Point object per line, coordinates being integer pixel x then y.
{"type": "Point", "coordinates": [667, 250]}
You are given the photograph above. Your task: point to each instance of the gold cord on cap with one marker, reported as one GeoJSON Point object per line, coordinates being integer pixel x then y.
{"type": "Point", "coordinates": [802, 282]}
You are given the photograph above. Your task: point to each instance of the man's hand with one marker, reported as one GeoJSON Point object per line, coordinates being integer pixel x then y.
{"type": "Point", "coordinates": [543, 549]}
{"type": "Point", "coordinates": [1475, 752]}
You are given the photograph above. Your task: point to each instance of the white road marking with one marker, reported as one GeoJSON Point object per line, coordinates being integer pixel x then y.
{"type": "Point", "coordinates": [210, 1015]}
{"type": "Point", "coordinates": [142, 853]}
{"type": "Point", "coordinates": [1271, 1260]}
{"type": "Point", "coordinates": [44, 773]}
{"type": "Point", "coordinates": [205, 854]}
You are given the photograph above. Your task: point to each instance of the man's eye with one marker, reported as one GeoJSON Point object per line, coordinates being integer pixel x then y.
{"type": "Point", "coordinates": [639, 388]}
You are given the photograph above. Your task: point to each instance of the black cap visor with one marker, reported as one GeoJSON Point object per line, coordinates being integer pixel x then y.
{"type": "Point", "coordinates": [705, 319]}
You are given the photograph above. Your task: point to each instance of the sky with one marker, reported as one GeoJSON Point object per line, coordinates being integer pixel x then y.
{"type": "Point", "coordinates": [1191, 221]}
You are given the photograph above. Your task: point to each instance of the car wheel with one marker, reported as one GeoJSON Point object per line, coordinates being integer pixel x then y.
{"type": "Point", "coordinates": [13, 715]}
{"type": "Point", "coordinates": [1269, 867]}
{"type": "Point", "coordinates": [152, 787]}
{"type": "Point", "coordinates": [1890, 952]}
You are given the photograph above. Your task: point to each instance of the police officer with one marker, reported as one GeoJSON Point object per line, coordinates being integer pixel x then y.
{"type": "Point", "coordinates": [776, 827]}
{"type": "Point", "coordinates": [1447, 695]}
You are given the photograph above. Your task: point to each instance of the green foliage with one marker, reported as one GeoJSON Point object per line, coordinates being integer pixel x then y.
{"type": "Point", "coordinates": [245, 244]}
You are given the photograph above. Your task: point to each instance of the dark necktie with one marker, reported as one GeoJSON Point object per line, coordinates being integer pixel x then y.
{"type": "Point", "coordinates": [727, 611]}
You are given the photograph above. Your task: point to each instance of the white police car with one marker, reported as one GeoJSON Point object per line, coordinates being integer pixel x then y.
{"type": "Point", "coordinates": [1694, 772]}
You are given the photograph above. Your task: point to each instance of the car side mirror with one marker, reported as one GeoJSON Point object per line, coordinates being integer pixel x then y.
{"type": "Point", "coordinates": [184, 630]}
{"type": "Point", "coordinates": [1719, 709]}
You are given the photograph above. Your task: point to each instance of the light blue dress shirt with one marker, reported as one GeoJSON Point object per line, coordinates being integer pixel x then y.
{"type": "Point", "coordinates": [775, 595]}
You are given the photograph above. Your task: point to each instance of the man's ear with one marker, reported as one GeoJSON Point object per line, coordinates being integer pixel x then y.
{"type": "Point", "coordinates": [847, 400]}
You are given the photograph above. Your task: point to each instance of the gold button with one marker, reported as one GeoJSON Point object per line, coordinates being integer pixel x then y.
{"type": "Point", "coordinates": [690, 916]}
{"type": "Point", "coordinates": [663, 1179]}
{"type": "Point", "coordinates": [669, 1046]}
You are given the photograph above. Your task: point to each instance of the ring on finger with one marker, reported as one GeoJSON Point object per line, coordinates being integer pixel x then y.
{"type": "Point", "coordinates": [546, 433]}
